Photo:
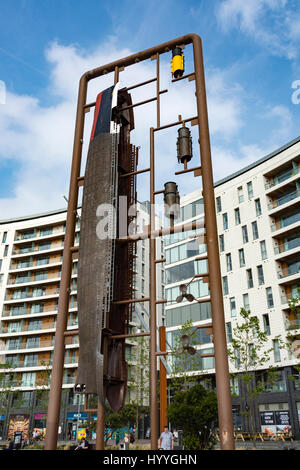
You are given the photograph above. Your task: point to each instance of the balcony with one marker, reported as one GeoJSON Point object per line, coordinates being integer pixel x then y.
{"type": "Point", "coordinates": [34, 280]}
{"type": "Point", "coordinates": [287, 297]}
{"type": "Point", "coordinates": [36, 235]}
{"type": "Point", "coordinates": [27, 296]}
{"type": "Point", "coordinates": [31, 327]}
{"type": "Point", "coordinates": [291, 270]}
{"type": "Point", "coordinates": [284, 199]}
{"type": "Point", "coordinates": [18, 364]}
{"type": "Point", "coordinates": [34, 310]}
{"type": "Point", "coordinates": [35, 250]}
{"type": "Point", "coordinates": [292, 325]}
{"type": "Point", "coordinates": [39, 265]}
{"type": "Point", "coordinates": [18, 346]}
{"type": "Point", "coordinates": [283, 177]}
{"type": "Point", "coordinates": [288, 245]}
{"type": "Point", "coordinates": [287, 222]}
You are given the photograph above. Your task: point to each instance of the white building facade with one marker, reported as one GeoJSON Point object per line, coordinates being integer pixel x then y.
{"type": "Point", "coordinates": [31, 250]}
{"type": "Point", "coordinates": [258, 219]}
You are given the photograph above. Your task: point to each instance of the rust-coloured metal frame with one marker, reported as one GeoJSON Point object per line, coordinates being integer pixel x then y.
{"type": "Point", "coordinates": [218, 322]}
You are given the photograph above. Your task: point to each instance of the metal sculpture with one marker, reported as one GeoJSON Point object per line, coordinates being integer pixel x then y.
{"type": "Point", "coordinates": [104, 270]}
{"type": "Point", "coordinates": [114, 370]}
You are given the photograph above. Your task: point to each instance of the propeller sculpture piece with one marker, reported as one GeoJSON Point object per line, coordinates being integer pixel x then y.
{"type": "Point", "coordinates": [185, 339]}
{"type": "Point", "coordinates": [184, 294]}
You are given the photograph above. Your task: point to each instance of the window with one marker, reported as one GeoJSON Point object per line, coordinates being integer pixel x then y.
{"type": "Point", "coordinates": [39, 291]}
{"type": "Point", "coordinates": [225, 285]}
{"type": "Point", "coordinates": [246, 302]}
{"type": "Point", "coordinates": [219, 204]}
{"type": "Point", "coordinates": [229, 332]}
{"type": "Point", "coordinates": [28, 379]}
{"type": "Point", "coordinates": [31, 360]}
{"type": "Point", "coordinates": [0, 264]}
{"type": "Point", "coordinates": [266, 324]}
{"type": "Point", "coordinates": [242, 258]}
{"type": "Point", "coordinates": [34, 325]}
{"type": "Point", "coordinates": [250, 190]}
{"type": "Point", "coordinates": [225, 221]}
{"type": "Point", "coordinates": [41, 261]}
{"type": "Point", "coordinates": [232, 306]}
{"type": "Point", "coordinates": [33, 343]}
{"type": "Point", "coordinates": [255, 230]}
{"type": "Point", "coordinates": [260, 275]}
{"type": "Point", "coordinates": [276, 350]}
{"type": "Point", "coordinates": [237, 216]}
{"type": "Point", "coordinates": [257, 207]}
{"type": "Point", "coordinates": [221, 242]}
{"type": "Point", "coordinates": [249, 278]}
{"type": "Point", "coordinates": [4, 237]}
{"type": "Point", "coordinates": [143, 269]}
{"type": "Point", "coordinates": [240, 194]}
{"type": "Point", "coordinates": [245, 234]}
{"type": "Point", "coordinates": [228, 262]}
{"type": "Point", "coordinates": [263, 250]}
{"type": "Point", "coordinates": [270, 300]}
{"type": "Point", "coordinates": [5, 250]}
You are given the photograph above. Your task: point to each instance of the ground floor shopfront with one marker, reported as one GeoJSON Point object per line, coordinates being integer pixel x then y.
{"type": "Point", "coordinates": [277, 409]}
{"type": "Point", "coordinates": [26, 412]}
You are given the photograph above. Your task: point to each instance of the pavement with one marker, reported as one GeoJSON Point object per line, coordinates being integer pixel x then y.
{"type": "Point", "coordinates": [266, 445]}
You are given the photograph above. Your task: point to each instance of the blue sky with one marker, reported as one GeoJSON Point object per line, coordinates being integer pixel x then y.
{"type": "Point", "coordinates": [251, 53]}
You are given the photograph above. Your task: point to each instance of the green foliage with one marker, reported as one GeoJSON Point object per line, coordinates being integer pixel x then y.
{"type": "Point", "coordinates": [194, 411]}
{"type": "Point", "coordinates": [125, 417]}
{"type": "Point", "coordinates": [248, 352]}
{"type": "Point", "coordinates": [184, 363]}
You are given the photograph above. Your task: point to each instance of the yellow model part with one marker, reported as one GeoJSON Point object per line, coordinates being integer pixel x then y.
{"type": "Point", "coordinates": [177, 63]}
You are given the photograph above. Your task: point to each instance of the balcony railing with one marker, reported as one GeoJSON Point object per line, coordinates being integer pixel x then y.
{"type": "Point", "coordinates": [289, 245]}
{"type": "Point", "coordinates": [39, 264]}
{"type": "Point", "coordinates": [286, 222]}
{"type": "Point", "coordinates": [292, 324]}
{"type": "Point", "coordinates": [26, 295]}
{"type": "Point", "coordinates": [289, 271]}
{"type": "Point", "coordinates": [28, 345]}
{"type": "Point", "coordinates": [282, 177]}
{"type": "Point", "coordinates": [286, 298]}
{"type": "Point", "coordinates": [36, 249]}
{"type": "Point", "coordinates": [283, 200]}
{"type": "Point", "coordinates": [40, 233]}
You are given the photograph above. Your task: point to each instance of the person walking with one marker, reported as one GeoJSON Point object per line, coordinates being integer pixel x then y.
{"type": "Point", "coordinates": [166, 439]}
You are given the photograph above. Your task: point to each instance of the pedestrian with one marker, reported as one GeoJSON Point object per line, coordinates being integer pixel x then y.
{"type": "Point", "coordinates": [117, 437]}
{"type": "Point", "coordinates": [84, 445]}
{"type": "Point", "coordinates": [166, 439]}
{"type": "Point", "coordinates": [132, 438]}
{"type": "Point", "coordinates": [11, 445]}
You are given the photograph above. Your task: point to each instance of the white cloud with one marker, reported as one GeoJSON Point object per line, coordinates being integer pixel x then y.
{"type": "Point", "coordinates": [38, 139]}
{"type": "Point", "coordinates": [271, 23]}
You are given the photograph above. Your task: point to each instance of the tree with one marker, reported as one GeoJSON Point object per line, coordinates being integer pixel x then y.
{"type": "Point", "coordinates": [249, 352]}
{"type": "Point", "coordinates": [115, 421]}
{"type": "Point", "coordinates": [8, 382]}
{"type": "Point", "coordinates": [183, 363]}
{"type": "Point", "coordinates": [195, 411]}
{"type": "Point", "coordinates": [294, 305]}
{"type": "Point", "coordinates": [138, 381]}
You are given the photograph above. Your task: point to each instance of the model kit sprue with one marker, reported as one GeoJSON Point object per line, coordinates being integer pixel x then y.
{"type": "Point", "coordinates": [105, 264]}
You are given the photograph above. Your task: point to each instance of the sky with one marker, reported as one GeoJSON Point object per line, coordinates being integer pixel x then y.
{"type": "Point", "coordinates": [252, 70]}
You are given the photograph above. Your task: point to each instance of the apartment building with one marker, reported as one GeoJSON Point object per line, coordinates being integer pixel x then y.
{"type": "Point", "coordinates": [31, 249]}
{"type": "Point", "coordinates": [258, 219]}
